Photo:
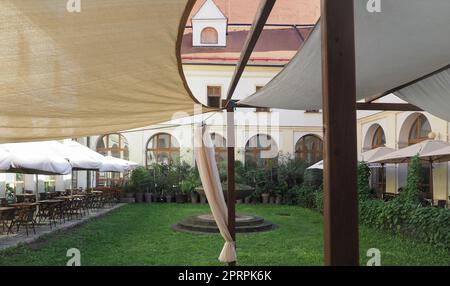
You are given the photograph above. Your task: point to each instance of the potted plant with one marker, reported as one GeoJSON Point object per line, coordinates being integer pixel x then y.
{"type": "Point", "coordinates": [148, 195]}
{"type": "Point", "coordinates": [128, 194]}
{"type": "Point", "coordinates": [10, 194]}
{"type": "Point", "coordinates": [138, 180]}
{"type": "Point", "coordinates": [187, 187]}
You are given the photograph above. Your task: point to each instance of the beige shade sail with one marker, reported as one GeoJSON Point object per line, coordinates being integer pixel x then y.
{"type": "Point", "coordinates": [405, 154]}
{"type": "Point", "coordinates": [112, 66]}
{"type": "Point", "coordinates": [440, 155]}
{"type": "Point", "coordinates": [395, 48]}
{"type": "Point", "coordinates": [209, 175]}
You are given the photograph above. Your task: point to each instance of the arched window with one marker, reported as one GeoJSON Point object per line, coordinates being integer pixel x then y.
{"type": "Point", "coordinates": [209, 36]}
{"type": "Point", "coordinates": [261, 150]}
{"type": "Point", "coordinates": [220, 148]}
{"type": "Point", "coordinates": [115, 145]}
{"type": "Point", "coordinates": [309, 148]}
{"type": "Point", "coordinates": [378, 175]}
{"type": "Point", "coordinates": [379, 139]}
{"type": "Point", "coordinates": [162, 148]}
{"type": "Point", "coordinates": [419, 130]}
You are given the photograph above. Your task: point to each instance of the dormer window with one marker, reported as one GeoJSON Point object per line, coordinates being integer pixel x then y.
{"type": "Point", "coordinates": [209, 36]}
{"type": "Point", "coordinates": [209, 26]}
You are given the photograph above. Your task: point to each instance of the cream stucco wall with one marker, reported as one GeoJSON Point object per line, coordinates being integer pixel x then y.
{"type": "Point", "coordinates": [396, 126]}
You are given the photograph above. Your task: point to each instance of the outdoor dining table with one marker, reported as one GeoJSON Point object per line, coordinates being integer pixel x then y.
{"type": "Point", "coordinates": [23, 205]}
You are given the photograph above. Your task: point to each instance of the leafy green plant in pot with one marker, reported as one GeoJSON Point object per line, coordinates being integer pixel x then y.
{"type": "Point", "coordinates": [138, 180]}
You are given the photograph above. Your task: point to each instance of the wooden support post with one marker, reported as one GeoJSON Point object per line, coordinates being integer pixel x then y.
{"type": "Point", "coordinates": [341, 246]}
{"type": "Point", "coordinates": [231, 198]}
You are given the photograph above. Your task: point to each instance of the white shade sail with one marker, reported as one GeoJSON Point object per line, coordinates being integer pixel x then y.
{"type": "Point", "coordinates": [419, 149]}
{"type": "Point", "coordinates": [113, 66]}
{"type": "Point", "coordinates": [36, 158]}
{"type": "Point", "coordinates": [5, 159]}
{"type": "Point", "coordinates": [406, 41]}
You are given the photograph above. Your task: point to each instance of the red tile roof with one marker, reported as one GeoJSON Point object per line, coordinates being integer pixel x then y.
{"type": "Point", "coordinates": [276, 46]}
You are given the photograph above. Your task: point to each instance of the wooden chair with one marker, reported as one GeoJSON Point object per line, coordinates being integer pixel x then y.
{"type": "Point", "coordinates": [25, 217]}
{"type": "Point", "coordinates": [7, 219]}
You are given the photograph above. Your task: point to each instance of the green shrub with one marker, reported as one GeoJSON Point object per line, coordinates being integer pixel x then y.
{"type": "Point", "coordinates": [304, 196]}
{"type": "Point", "coordinates": [411, 195]}
{"type": "Point", "coordinates": [363, 175]}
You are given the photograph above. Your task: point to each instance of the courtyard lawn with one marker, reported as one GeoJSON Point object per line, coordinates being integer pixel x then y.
{"type": "Point", "coordinates": [140, 234]}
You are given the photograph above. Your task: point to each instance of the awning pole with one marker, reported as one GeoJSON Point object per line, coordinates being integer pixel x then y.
{"type": "Point", "coordinates": [37, 186]}
{"type": "Point", "coordinates": [341, 245]}
{"type": "Point", "coordinates": [431, 182]}
{"type": "Point", "coordinates": [231, 200]}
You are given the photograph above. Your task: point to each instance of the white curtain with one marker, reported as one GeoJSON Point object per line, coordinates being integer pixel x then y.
{"type": "Point", "coordinates": [209, 174]}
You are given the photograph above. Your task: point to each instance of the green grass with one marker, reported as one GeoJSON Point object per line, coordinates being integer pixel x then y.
{"type": "Point", "coordinates": [140, 234]}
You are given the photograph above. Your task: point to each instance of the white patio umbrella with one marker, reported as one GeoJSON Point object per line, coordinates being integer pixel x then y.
{"type": "Point", "coordinates": [405, 154]}
{"type": "Point", "coordinates": [373, 154]}
{"type": "Point", "coordinates": [394, 48]}
{"type": "Point", "coordinates": [422, 149]}
{"type": "Point", "coordinates": [77, 157]}
{"type": "Point", "coordinates": [5, 159]}
{"type": "Point", "coordinates": [316, 166]}
{"type": "Point", "coordinates": [124, 165]}
{"type": "Point", "coordinates": [36, 158]}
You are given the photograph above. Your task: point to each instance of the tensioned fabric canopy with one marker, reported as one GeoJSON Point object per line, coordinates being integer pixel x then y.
{"type": "Point", "coordinates": [406, 41]}
{"type": "Point", "coordinates": [112, 66]}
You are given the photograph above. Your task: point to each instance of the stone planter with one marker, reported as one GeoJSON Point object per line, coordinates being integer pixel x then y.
{"type": "Point", "coordinates": [148, 197]}
{"type": "Point", "coordinates": [247, 200]}
{"type": "Point", "coordinates": [278, 199]}
{"type": "Point", "coordinates": [194, 198]}
{"type": "Point", "coordinates": [272, 200]}
{"type": "Point", "coordinates": [239, 201]}
{"type": "Point", "coordinates": [127, 200]}
{"type": "Point", "coordinates": [242, 191]}
{"type": "Point", "coordinates": [202, 199]}
{"type": "Point", "coordinates": [139, 197]}
{"type": "Point", "coordinates": [180, 198]}
{"type": "Point", "coordinates": [265, 198]}
{"type": "Point", "coordinates": [169, 198]}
